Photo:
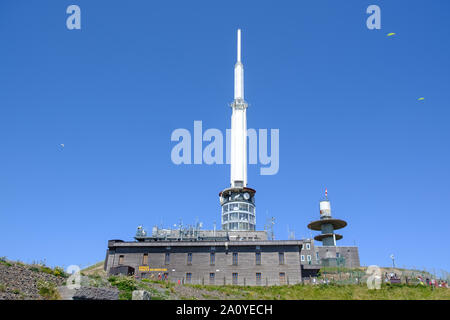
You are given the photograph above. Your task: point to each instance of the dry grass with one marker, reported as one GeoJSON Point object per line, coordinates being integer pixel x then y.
{"type": "Point", "coordinates": [96, 269]}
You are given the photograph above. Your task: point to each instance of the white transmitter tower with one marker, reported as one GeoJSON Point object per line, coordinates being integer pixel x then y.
{"type": "Point", "coordinates": [238, 201]}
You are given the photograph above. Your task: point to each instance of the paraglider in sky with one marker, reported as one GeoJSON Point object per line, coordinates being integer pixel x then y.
{"type": "Point", "coordinates": [391, 34]}
{"type": "Point", "coordinates": [421, 98]}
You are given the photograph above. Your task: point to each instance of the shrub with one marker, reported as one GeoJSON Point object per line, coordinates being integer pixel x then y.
{"type": "Point", "coordinates": [125, 285]}
{"type": "Point", "coordinates": [48, 290]}
{"type": "Point", "coordinates": [46, 270]}
{"type": "Point", "coordinates": [59, 272]}
{"type": "Point", "coordinates": [35, 269]}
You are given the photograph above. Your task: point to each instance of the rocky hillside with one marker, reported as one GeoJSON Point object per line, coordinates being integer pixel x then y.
{"type": "Point", "coordinates": [29, 282]}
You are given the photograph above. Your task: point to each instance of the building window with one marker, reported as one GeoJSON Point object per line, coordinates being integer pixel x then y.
{"type": "Point", "coordinates": [282, 278]}
{"type": "Point", "coordinates": [281, 257]}
{"type": "Point", "coordinates": [258, 258]}
{"type": "Point", "coordinates": [188, 277]}
{"type": "Point", "coordinates": [317, 255]}
{"type": "Point", "coordinates": [212, 258]}
{"type": "Point", "coordinates": [212, 277]}
{"type": "Point", "coordinates": [145, 259]}
{"type": "Point", "coordinates": [121, 259]}
{"type": "Point", "coordinates": [337, 255]}
{"type": "Point", "coordinates": [167, 258]}
{"type": "Point", "coordinates": [258, 278]}
{"type": "Point", "coordinates": [308, 246]}
{"type": "Point", "coordinates": [235, 259]}
{"type": "Point", "coordinates": [243, 206]}
{"type": "Point", "coordinates": [308, 257]}
{"type": "Point", "coordinates": [235, 278]}
{"type": "Point", "coordinates": [189, 258]}
{"type": "Point", "coordinates": [302, 257]}
{"type": "Point", "coordinates": [243, 216]}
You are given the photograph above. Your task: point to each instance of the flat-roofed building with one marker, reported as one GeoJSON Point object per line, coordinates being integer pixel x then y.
{"type": "Point", "coordinates": [266, 262]}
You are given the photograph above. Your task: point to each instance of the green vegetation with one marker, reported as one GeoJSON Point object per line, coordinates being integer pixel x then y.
{"type": "Point", "coordinates": [57, 271]}
{"type": "Point", "coordinates": [96, 280]}
{"type": "Point", "coordinates": [5, 262]}
{"type": "Point", "coordinates": [127, 285]}
{"type": "Point", "coordinates": [48, 290]}
{"type": "Point", "coordinates": [333, 292]}
{"type": "Point", "coordinates": [165, 284]}
{"type": "Point", "coordinates": [94, 266]}
{"type": "Point", "coordinates": [2, 287]}
{"type": "Point", "coordinates": [95, 269]}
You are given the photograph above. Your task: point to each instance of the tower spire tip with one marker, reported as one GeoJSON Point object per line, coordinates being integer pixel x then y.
{"type": "Point", "coordinates": [239, 45]}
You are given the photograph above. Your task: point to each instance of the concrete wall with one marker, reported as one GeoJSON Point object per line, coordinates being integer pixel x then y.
{"type": "Point", "coordinates": [223, 268]}
{"type": "Point", "coordinates": [349, 253]}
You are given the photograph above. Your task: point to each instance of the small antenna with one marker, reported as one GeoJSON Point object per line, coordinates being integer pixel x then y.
{"type": "Point", "coordinates": [269, 228]}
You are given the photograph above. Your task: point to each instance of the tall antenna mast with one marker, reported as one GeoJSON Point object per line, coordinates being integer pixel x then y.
{"type": "Point", "coordinates": [239, 45]}
{"type": "Point", "coordinates": [238, 191]}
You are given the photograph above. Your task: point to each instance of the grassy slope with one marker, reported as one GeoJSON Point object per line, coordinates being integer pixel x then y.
{"type": "Point", "coordinates": [333, 292]}
{"type": "Point", "coordinates": [162, 290]}
{"type": "Point", "coordinates": [94, 269]}
{"type": "Point", "coordinates": [169, 291]}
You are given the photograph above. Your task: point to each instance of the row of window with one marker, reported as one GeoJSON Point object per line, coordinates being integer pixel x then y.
{"type": "Point", "coordinates": [235, 277]}
{"type": "Point", "coordinates": [308, 257]}
{"type": "Point", "coordinates": [212, 258]}
{"type": "Point", "coordinates": [238, 216]}
{"type": "Point", "coordinates": [238, 207]}
{"type": "Point", "coordinates": [238, 226]}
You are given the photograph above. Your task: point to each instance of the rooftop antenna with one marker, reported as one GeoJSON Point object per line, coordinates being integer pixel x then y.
{"type": "Point", "coordinates": [291, 234]}
{"type": "Point", "coordinates": [393, 260]}
{"type": "Point", "coordinates": [272, 223]}
{"type": "Point", "coordinates": [269, 228]}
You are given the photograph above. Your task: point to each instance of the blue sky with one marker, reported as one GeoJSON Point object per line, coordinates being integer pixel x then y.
{"type": "Point", "coordinates": [343, 97]}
